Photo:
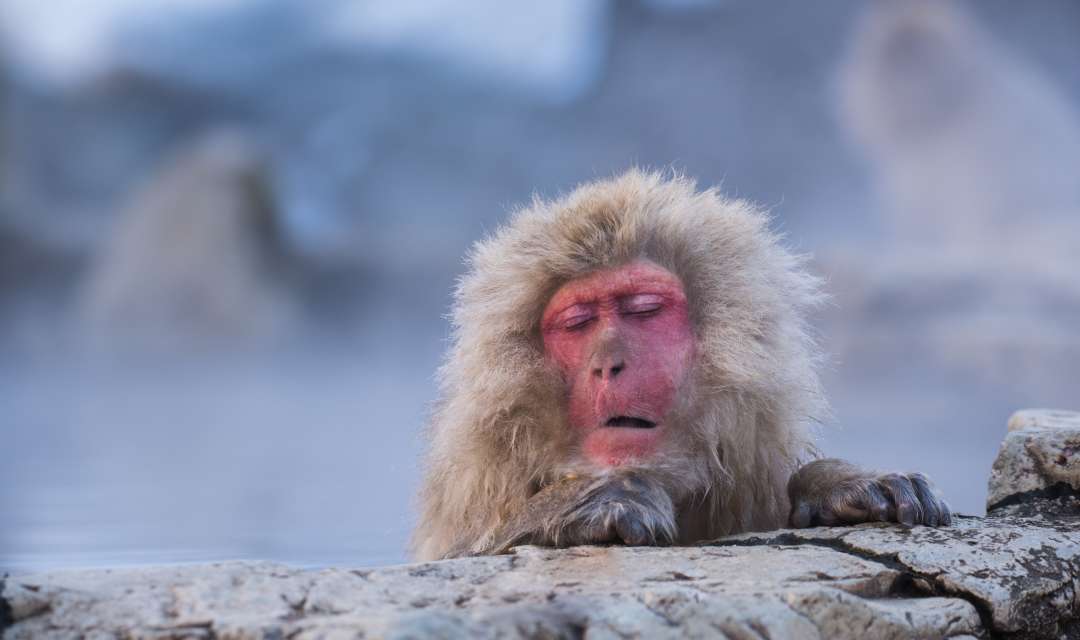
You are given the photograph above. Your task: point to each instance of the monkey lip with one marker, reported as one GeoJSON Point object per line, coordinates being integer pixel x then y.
{"type": "Point", "coordinates": [630, 422]}
{"type": "Point", "coordinates": [622, 441]}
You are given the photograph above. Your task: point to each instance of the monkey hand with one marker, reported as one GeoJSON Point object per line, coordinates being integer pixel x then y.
{"type": "Point", "coordinates": [832, 492]}
{"type": "Point", "coordinates": [625, 507]}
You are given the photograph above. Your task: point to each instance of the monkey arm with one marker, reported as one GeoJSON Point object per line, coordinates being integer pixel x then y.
{"type": "Point", "coordinates": [625, 506]}
{"type": "Point", "coordinates": [831, 492]}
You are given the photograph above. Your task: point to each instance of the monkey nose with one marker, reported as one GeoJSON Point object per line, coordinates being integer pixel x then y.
{"type": "Point", "coordinates": [609, 370]}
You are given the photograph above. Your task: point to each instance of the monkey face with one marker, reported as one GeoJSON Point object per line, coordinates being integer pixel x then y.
{"type": "Point", "coordinates": [621, 338]}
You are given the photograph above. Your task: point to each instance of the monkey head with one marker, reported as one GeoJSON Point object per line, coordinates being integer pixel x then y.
{"type": "Point", "coordinates": [636, 326]}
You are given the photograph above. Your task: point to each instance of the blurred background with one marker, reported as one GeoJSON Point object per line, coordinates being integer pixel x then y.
{"type": "Point", "coordinates": [229, 231]}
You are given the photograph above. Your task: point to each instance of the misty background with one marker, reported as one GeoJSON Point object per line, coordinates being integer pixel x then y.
{"type": "Point", "coordinates": [230, 230]}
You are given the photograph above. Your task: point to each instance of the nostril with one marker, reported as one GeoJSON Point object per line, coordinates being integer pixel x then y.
{"type": "Point", "coordinates": [609, 371]}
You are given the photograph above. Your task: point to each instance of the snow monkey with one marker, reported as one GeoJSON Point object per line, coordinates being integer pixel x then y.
{"type": "Point", "coordinates": [631, 363]}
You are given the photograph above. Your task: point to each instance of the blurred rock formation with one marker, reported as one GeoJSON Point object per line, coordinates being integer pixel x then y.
{"type": "Point", "coordinates": [196, 260]}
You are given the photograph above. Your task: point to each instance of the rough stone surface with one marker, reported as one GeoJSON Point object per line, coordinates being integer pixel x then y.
{"type": "Point", "coordinates": [796, 591]}
{"type": "Point", "coordinates": [1039, 457]}
{"type": "Point", "coordinates": [999, 575]}
{"type": "Point", "coordinates": [1021, 573]}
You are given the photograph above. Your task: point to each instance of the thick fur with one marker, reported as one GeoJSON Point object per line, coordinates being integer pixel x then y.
{"type": "Point", "coordinates": [499, 432]}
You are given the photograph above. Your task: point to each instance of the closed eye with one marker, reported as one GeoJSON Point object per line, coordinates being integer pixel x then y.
{"type": "Point", "coordinates": [642, 304]}
{"type": "Point", "coordinates": [576, 322]}
{"type": "Point", "coordinates": [643, 311]}
{"type": "Point", "coordinates": [573, 317]}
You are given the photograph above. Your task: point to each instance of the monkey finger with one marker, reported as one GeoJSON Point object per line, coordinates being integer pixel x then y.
{"type": "Point", "coordinates": [852, 502]}
{"type": "Point", "coordinates": [829, 517]}
{"type": "Point", "coordinates": [905, 501]}
{"type": "Point", "coordinates": [926, 499]}
{"type": "Point", "coordinates": [861, 501]}
{"type": "Point", "coordinates": [662, 535]}
{"type": "Point", "coordinates": [937, 512]}
{"type": "Point", "coordinates": [879, 507]}
{"type": "Point", "coordinates": [632, 531]}
{"type": "Point", "coordinates": [593, 531]}
{"type": "Point", "coordinates": [944, 514]}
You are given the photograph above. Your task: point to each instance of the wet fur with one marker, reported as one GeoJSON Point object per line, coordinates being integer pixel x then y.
{"type": "Point", "coordinates": [498, 435]}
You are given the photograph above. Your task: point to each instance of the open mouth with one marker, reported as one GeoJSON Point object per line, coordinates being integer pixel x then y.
{"type": "Point", "coordinates": [630, 422]}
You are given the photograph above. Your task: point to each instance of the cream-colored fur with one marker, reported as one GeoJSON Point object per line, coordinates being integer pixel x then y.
{"type": "Point", "coordinates": [499, 430]}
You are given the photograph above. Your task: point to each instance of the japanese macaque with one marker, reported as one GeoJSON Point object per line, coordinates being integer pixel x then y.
{"type": "Point", "coordinates": [969, 142]}
{"type": "Point", "coordinates": [631, 364]}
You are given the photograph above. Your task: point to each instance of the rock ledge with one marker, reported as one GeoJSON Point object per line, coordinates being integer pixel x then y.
{"type": "Point", "coordinates": [983, 577]}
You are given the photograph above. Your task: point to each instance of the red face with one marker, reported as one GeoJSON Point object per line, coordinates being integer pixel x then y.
{"type": "Point", "coordinates": [622, 339]}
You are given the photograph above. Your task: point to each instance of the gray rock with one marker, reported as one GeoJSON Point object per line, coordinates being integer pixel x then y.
{"type": "Point", "coordinates": [1022, 573]}
{"type": "Point", "coordinates": [793, 591]}
{"type": "Point", "coordinates": [999, 575]}
{"type": "Point", "coordinates": [1039, 458]}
